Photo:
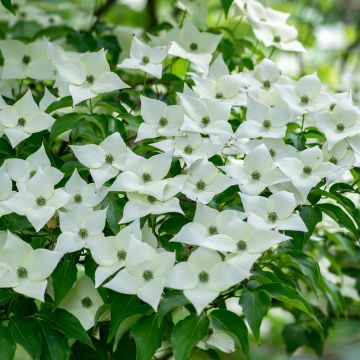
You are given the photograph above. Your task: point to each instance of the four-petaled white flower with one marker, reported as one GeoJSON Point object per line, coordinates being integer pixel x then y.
{"type": "Point", "coordinates": [6, 191]}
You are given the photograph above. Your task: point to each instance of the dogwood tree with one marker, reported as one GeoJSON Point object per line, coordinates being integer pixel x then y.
{"type": "Point", "coordinates": [163, 189]}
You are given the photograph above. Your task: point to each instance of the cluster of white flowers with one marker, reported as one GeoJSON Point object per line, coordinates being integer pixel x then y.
{"type": "Point", "coordinates": [273, 177]}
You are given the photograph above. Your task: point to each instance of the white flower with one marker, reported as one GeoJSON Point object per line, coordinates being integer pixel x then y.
{"type": "Point", "coordinates": [306, 170]}
{"type": "Point", "coordinates": [38, 201]}
{"type": "Point", "coordinates": [26, 60]}
{"type": "Point", "coordinates": [145, 58]}
{"type": "Point", "coordinates": [144, 176]}
{"type": "Point", "coordinates": [159, 119]}
{"type": "Point", "coordinates": [263, 120]}
{"type": "Point", "coordinates": [140, 205]}
{"type": "Point", "coordinates": [83, 195]}
{"type": "Point", "coordinates": [23, 119]}
{"type": "Point", "coordinates": [211, 229]}
{"type": "Point", "coordinates": [88, 76]}
{"type": "Point", "coordinates": [195, 46]}
{"type": "Point", "coordinates": [274, 212]}
{"type": "Point", "coordinates": [22, 170]}
{"type": "Point", "coordinates": [83, 301]}
{"type": "Point", "coordinates": [104, 160]}
{"type": "Point", "coordinates": [205, 181]}
{"type": "Point", "coordinates": [256, 172]}
{"type": "Point", "coordinates": [6, 191]}
{"type": "Point", "coordinates": [80, 228]}
{"type": "Point", "coordinates": [24, 269]}
{"type": "Point", "coordinates": [189, 146]}
{"type": "Point", "coordinates": [145, 273]}
{"type": "Point", "coordinates": [204, 276]}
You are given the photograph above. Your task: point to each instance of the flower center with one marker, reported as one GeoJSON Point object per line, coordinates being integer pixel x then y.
{"type": "Point", "coordinates": [163, 121]}
{"type": "Point", "coordinates": [340, 127]}
{"type": "Point", "coordinates": [213, 230]}
{"type": "Point", "coordinates": [151, 199]}
{"type": "Point", "coordinates": [203, 277]}
{"type": "Point", "coordinates": [121, 254]}
{"type": "Point", "coordinates": [77, 198]}
{"type": "Point", "coordinates": [256, 175]}
{"type": "Point", "coordinates": [21, 122]}
{"type": "Point", "coordinates": [90, 79]}
{"type": "Point", "coordinates": [333, 160]}
{"type": "Point", "coordinates": [272, 217]}
{"type": "Point", "coordinates": [305, 99]}
{"type": "Point", "coordinates": [241, 245]}
{"type": "Point", "coordinates": [277, 38]}
{"type": "Point", "coordinates": [145, 60]}
{"type": "Point", "coordinates": [26, 59]}
{"type": "Point", "coordinates": [188, 149]}
{"type": "Point", "coordinates": [201, 185]}
{"type": "Point", "coordinates": [193, 46]}
{"type": "Point", "coordinates": [41, 201]}
{"type": "Point", "coordinates": [267, 84]}
{"type": "Point", "coordinates": [146, 177]}
{"type": "Point", "coordinates": [86, 302]}
{"type": "Point", "coordinates": [83, 233]}
{"type": "Point", "coordinates": [205, 120]}
{"type": "Point", "coordinates": [219, 95]}
{"type": "Point", "coordinates": [22, 273]}
{"type": "Point", "coordinates": [109, 159]}
{"type": "Point", "coordinates": [32, 173]}
{"type": "Point", "coordinates": [267, 124]}
{"type": "Point", "coordinates": [307, 170]}
{"type": "Point", "coordinates": [332, 107]}
{"type": "Point", "coordinates": [272, 152]}
{"type": "Point", "coordinates": [148, 275]}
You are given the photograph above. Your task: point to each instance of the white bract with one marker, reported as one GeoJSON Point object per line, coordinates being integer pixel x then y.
{"type": "Point", "coordinates": [6, 191]}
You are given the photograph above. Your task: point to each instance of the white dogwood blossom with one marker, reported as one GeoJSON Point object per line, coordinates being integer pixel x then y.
{"type": "Point", "coordinates": [6, 191]}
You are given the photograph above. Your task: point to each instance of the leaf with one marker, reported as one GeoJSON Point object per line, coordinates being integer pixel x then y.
{"type": "Point", "coordinates": [66, 323]}
{"type": "Point", "coordinates": [65, 123]}
{"type": "Point", "coordinates": [123, 306]}
{"type": "Point", "coordinates": [148, 335]}
{"type": "Point", "coordinates": [114, 213]}
{"type": "Point", "coordinates": [171, 301]}
{"type": "Point", "coordinates": [7, 344]}
{"type": "Point", "coordinates": [5, 296]}
{"type": "Point", "coordinates": [60, 104]}
{"type": "Point", "coordinates": [226, 4]}
{"type": "Point", "coordinates": [187, 333]}
{"type": "Point", "coordinates": [255, 305]}
{"type": "Point", "coordinates": [8, 5]}
{"type": "Point", "coordinates": [64, 276]}
{"type": "Point", "coordinates": [230, 322]}
{"type": "Point", "coordinates": [26, 333]}
{"type": "Point", "coordinates": [81, 351]}
{"type": "Point", "coordinates": [55, 345]}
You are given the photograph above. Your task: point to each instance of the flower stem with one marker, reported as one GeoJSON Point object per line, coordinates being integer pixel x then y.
{"type": "Point", "coordinates": [144, 84]}
{"type": "Point", "coordinates": [90, 106]}
{"type": "Point", "coordinates": [272, 52]}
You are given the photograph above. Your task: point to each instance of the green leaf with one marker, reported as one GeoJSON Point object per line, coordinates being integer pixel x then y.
{"type": "Point", "coordinates": [65, 123]}
{"type": "Point", "coordinates": [8, 5]}
{"type": "Point", "coordinates": [123, 306]}
{"type": "Point", "coordinates": [114, 213]}
{"type": "Point", "coordinates": [60, 104]}
{"type": "Point", "coordinates": [55, 345]}
{"type": "Point", "coordinates": [5, 296]}
{"type": "Point", "coordinates": [148, 335]}
{"type": "Point", "coordinates": [26, 333]}
{"type": "Point", "coordinates": [226, 4]}
{"type": "Point", "coordinates": [171, 301]}
{"type": "Point", "coordinates": [228, 321]}
{"type": "Point", "coordinates": [255, 305]}
{"type": "Point", "coordinates": [187, 333]}
{"type": "Point", "coordinates": [7, 344]}
{"type": "Point", "coordinates": [63, 278]}
{"type": "Point", "coordinates": [66, 323]}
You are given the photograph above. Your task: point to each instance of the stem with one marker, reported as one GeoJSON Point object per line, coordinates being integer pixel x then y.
{"type": "Point", "coordinates": [90, 106]}
{"type": "Point", "coordinates": [144, 84]}
{"type": "Point", "coordinates": [272, 52]}
{"type": "Point", "coordinates": [182, 19]}
{"type": "Point", "coordinates": [302, 122]}
{"type": "Point", "coordinates": [20, 87]}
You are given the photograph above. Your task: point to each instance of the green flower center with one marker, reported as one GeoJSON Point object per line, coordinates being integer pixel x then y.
{"type": "Point", "coordinates": [203, 277]}
{"type": "Point", "coordinates": [267, 84]}
{"type": "Point", "coordinates": [277, 38]}
{"type": "Point", "coordinates": [188, 149]}
{"type": "Point", "coordinates": [86, 302]}
{"type": "Point", "coordinates": [83, 233]}
{"type": "Point", "coordinates": [205, 120]}
{"type": "Point", "coordinates": [21, 122]}
{"type": "Point", "coordinates": [148, 275]}
{"type": "Point", "coordinates": [41, 201]}
{"type": "Point", "coordinates": [146, 177]}
{"type": "Point", "coordinates": [90, 79]}
{"type": "Point", "coordinates": [256, 175]}
{"type": "Point", "coordinates": [307, 170]}
{"type": "Point", "coordinates": [121, 254]}
{"type": "Point", "coordinates": [305, 99]}
{"type": "Point", "coordinates": [26, 59]}
{"type": "Point", "coordinates": [151, 199]}
{"type": "Point", "coordinates": [272, 217]}
{"type": "Point", "coordinates": [267, 124]}
{"type": "Point", "coordinates": [163, 121]}
{"type": "Point", "coordinates": [22, 273]}
{"type": "Point", "coordinates": [340, 127]}
{"type": "Point", "coordinates": [213, 230]}
{"type": "Point", "coordinates": [241, 245]}
{"type": "Point", "coordinates": [32, 173]}
{"type": "Point", "coordinates": [201, 185]}
{"type": "Point", "coordinates": [219, 95]}
{"type": "Point", "coordinates": [193, 46]}
{"type": "Point", "coordinates": [77, 198]}
{"type": "Point", "coordinates": [332, 107]}
{"type": "Point", "coordinates": [109, 159]}
{"type": "Point", "coordinates": [272, 152]}
{"type": "Point", "coordinates": [333, 160]}
{"type": "Point", "coordinates": [145, 60]}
